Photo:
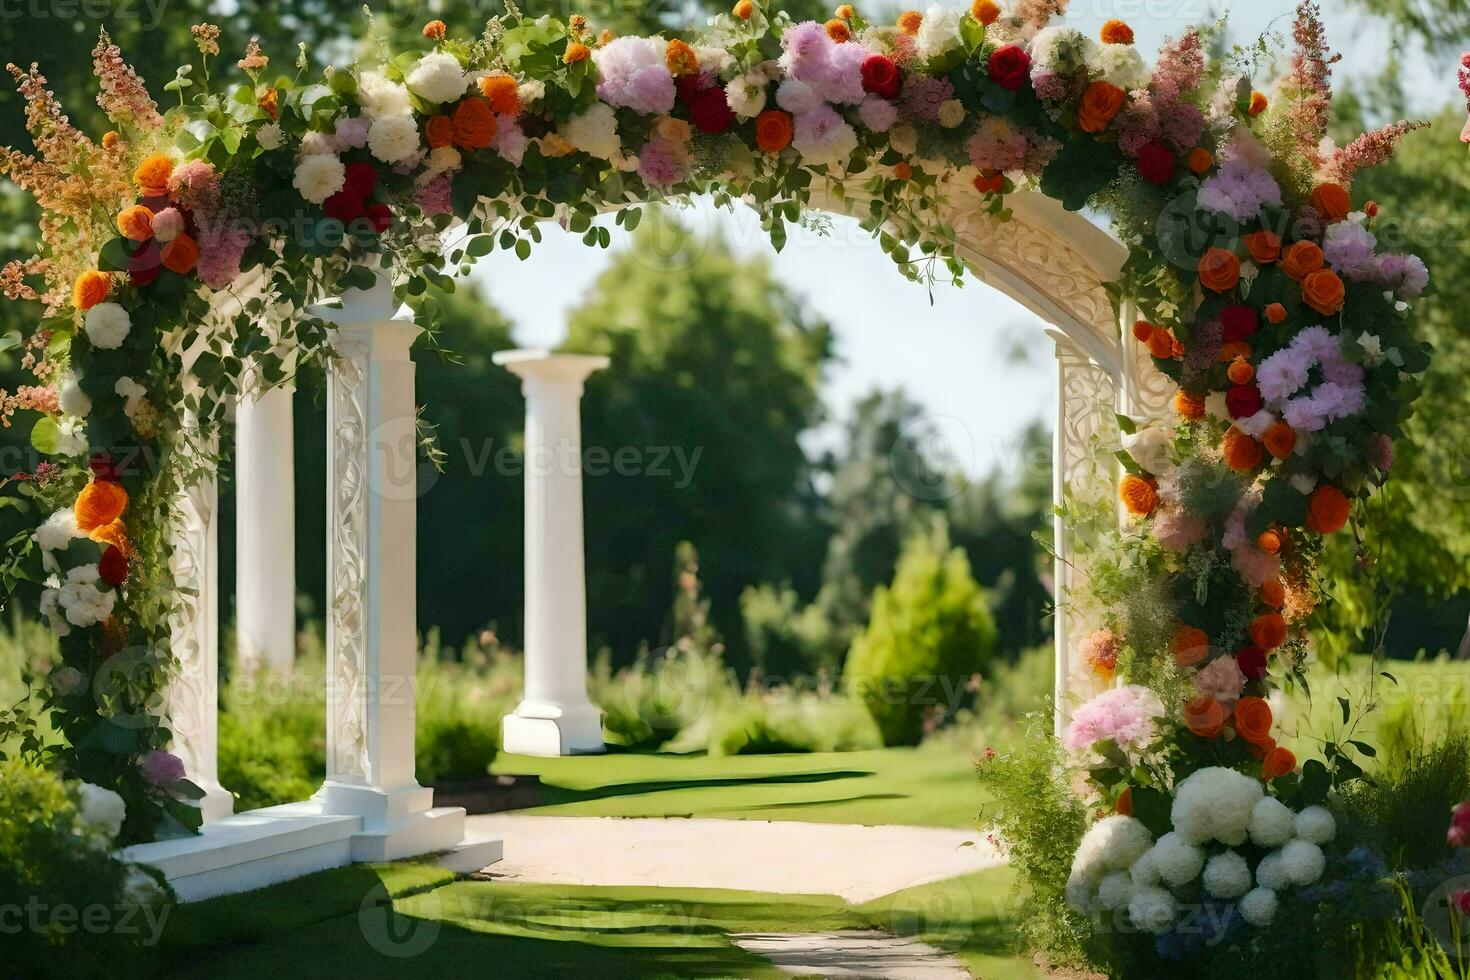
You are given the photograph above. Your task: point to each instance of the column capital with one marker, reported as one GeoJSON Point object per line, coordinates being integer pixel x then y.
{"type": "Point", "coordinates": [545, 365]}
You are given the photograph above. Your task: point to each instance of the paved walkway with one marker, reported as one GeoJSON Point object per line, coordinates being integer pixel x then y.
{"type": "Point", "coordinates": [853, 862]}
{"type": "Point", "coordinates": [853, 954]}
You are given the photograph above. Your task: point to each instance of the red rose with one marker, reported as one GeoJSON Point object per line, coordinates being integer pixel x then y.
{"type": "Point", "coordinates": [1243, 401]}
{"type": "Point", "coordinates": [1239, 323]}
{"type": "Point", "coordinates": [880, 75]}
{"type": "Point", "coordinates": [380, 216]}
{"type": "Point", "coordinates": [689, 86]}
{"type": "Point", "coordinates": [1009, 67]}
{"type": "Point", "coordinates": [344, 205]}
{"type": "Point", "coordinates": [146, 263]}
{"type": "Point", "coordinates": [1252, 662]}
{"type": "Point", "coordinates": [1156, 163]}
{"type": "Point", "coordinates": [361, 179]}
{"type": "Point", "coordinates": [709, 111]}
{"type": "Point", "coordinates": [112, 568]}
{"type": "Point", "coordinates": [102, 467]}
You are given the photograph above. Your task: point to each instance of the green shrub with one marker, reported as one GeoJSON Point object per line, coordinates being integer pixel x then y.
{"type": "Point", "coordinates": [928, 634]}
{"type": "Point", "coordinates": [661, 695]}
{"type": "Point", "coordinates": [1404, 809]}
{"type": "Point", "coordinates": [788, 639]}
{"type": "Point", "coordinates": [754, 727]}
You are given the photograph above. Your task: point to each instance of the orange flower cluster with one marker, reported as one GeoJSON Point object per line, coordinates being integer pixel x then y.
{"type": "Point", "coordinates": [1100, 103]}
{"type": "Point", "coordinates": [1139, 495]}
{"type": "Point", "coordinates": [986, 12]}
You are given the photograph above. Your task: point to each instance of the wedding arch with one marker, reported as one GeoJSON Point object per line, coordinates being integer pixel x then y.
{"type": "Point", "coordinates": [1231, 367]}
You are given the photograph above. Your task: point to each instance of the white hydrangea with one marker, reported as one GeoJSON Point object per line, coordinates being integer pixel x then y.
{"type": "Point", "coordinates": [270, 136]}
{"type": "Point", "coordinates": [594, 131]}
{"type": "Point", "coordinates": [80, 598]}
{"type": "Point", "coordinates": [939, 32]}
{"type": "Point", "coordinates": [319, 176]}
{"type": "Point", "coordinates": [1120, 64]}
{"type": "Point", "coordinates": [50, 608]}
{"type": "Point", "coordinates": [1153, 909]}
{"type": "Point", "coordinates": [394, 139]}
{"type": "Point", "coordinates": [56, 534]}
{"type": "Point", "coordinates": [438, 77]}
{"type": "Point", "coordinates": [1303, 862]}
{"type": "Point", "coordinates": [1227, 875]}
{"type": "Point", "coordinates": [1145, 870]}
{"type": "Point", "coordinates": [131, 393]}
{"type": "Point", "coordinates": [314, 143]}
{"type": "Point", "coordinates": [1215, 804]}
{"type": "Point", "coordinates": [1115, 891]}
{"type": "Point", "coordinates": [381, 98]}
{"type": "Point", "coordinates": [1177, 860]}
{"type": "Point", "coordinates": [1061, 49]}
{"type": "Point", "coordinates": [101, 809]}
{"type": "Point", "coordinates": [1111, 844]}
{"type": "Point", "coordinates": [71, 399]}
{"type": "Point", "coordinates": [1258, 907]}
{"type": "Point", "coordinates": [746, 95]}
{"type": "Point", "coordinates": [107, 326]}
{"type": "Point", "coordinates": [1271, 822]}
{"type": "Point", "coordinates": [1316, 824]}
{"type": "Point", "coordinates": [1271, 872]}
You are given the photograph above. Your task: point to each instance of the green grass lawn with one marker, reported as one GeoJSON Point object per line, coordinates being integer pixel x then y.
{"type": "Point", "coordinates": [407, 919]}
{"type": "Point", "coordinates": [931, 786]}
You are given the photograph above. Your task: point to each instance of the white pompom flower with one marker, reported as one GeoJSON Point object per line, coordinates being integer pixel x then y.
{"type": "Point", "coordinates": [1115, 891]}
{"type": "Point", "coordinates": [107, 326]}
{"type": "Point", "coordinates": [1177, 860]}
{"type": "Point", "coordinates": [1215, 804]}
{"type": "Point", "coordinates": [1121, 65]}
{"type": "Point", "coordinates": [1258, 907]}
{"type": "Point", "coordinates": [319, 176]}
{"type": "Point", "coordinates": [1145, 871]}
{"type": "Point", "coordinates": [1227, 875]}
{"type": "Point", "coordinates": [394, 139]}
{"type": "Point", "coordinates": [1316, 824]}
{"type": "Point", "coordinates": [1271, 822]}
{"type": "Point", "coordinates": [1271, 872]}
{"type": "Point", "coordinates": [101, 809]}
{"type": "Point", "coordinates": [381, 98]}
{"type": "Point", "coordinates": [1153, 909]}
{"type": "Point", "coordinates": [71, 399]}
{"type": "Point", "coordinates": [594, 132]}
{"type": "Point", "coordinates": [1303, 862]}
{"type": "Point", "coordinates": [438, 77]}
{"type": "Point", "coordinates": [1111, 844]}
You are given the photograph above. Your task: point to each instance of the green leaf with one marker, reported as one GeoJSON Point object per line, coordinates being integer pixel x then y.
{"type": "Point", "coordinates": [45, 436]}
{"type": "Point", "coordinates": [1151, 808]}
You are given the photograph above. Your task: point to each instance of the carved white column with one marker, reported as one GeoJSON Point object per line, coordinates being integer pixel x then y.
{"type": "Point", "coordinates": [372, 644]}
{"type": "Point", "coordinates": [555, 716]}
{"type": "Point", "coordinates": [193, 695]}
{"type": "Point", "coordinates": [1086, 400]}
{"type": "Point", "coordinates": [265, 530]}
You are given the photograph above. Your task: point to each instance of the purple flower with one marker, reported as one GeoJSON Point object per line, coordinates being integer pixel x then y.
{"type": "Point", "coordinates": [877, 114]}
{"type": "Point", "coordinates": [433, 198]}
{"type": "Point", "coordinates": [1239, 189]}
{"type": "Point", "coordinates": [1348, 248]}
{"type": "Point", "coordinates": [922, 95]}
{"type": "Point", "coordinates": [161, 768]}
{"type": "Point", "coordinates": [634, 74]}
{"type": "Point", "coordinates": [222, 245]}
{"type": "Point", "coordinates": [352, 133]}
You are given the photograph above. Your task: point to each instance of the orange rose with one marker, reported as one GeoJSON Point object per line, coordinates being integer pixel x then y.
{"type": "Point", "coordinates": [986, 12]}
{"type": "Point", "coordinates": [1191, 645]}
{"type": "Point", "coordinates": [434, 30]}
{"type": "Point", "coordinates": [1139, 495]}
{"type": "Point", "coordinates": [504, 94]}
{"type": "Point", "coordinates": [1100, 103]}
{"type": "Point", "coordinates": [114, 534]}
{"type": "Point", "coordinates": [90, 289]}
{"type": "Point", "coordinates": [744, 10]}
{"type": "Point", "coordinates": [1278, 762]}
{"type": "Point", "coordinates": [474, 124]}
{"type": "Point", "coordinates": [1253, 719]}
{"type": "Point", "coordinates": [1323, 291]}
{"type": "Point", "coordinates": [1273, 594]}
{"type": "Point", "coordinates": [837, 31]}
{"type": "Point", "coordinates": [1258, 104]}
{"type": "Point", "coordinates": [180, 255]}
{"type": "Point", "coordinates": [576, 51]}
{"type": "Point", "coordinates": [1199, 160]}
{"type": "Point", "coordinates": [1161, 343]}
{"type": "Point", "coordinates": [152, 175]}
{"type": "Point", "coordinates": [773, 130]}
{"type": "Point", "coordinates": [1280, 439]}
{"type": "Point", "coordinates": [909, 21]}
{"type": "Point", "coordinates": [1331, 201]}
{"type": "Point", "coordinates": [136, 223]}
{"type": "Point", "coordinates": [1328, 510]}
{"type": "Point", "coordinates": [1269, 541]}
{"type": "Point", "coordinates": [1219, 270]}
{"type": "Point", "coordinates": [680, 58]}
{"type": "Point", "coordinates": [1301, 259]}
{"type": "Point", "coordinates": [1188, 406]}
{"type": "Point", "coordinates": [1204, 716]}
{"type": "Point", "coordinates": [1275, 313]}
{"type": "Point", "coordinates": [1240, 371]}
{"type": "Point", "coordinates": [1268, 631]}
{"type": "Point", "coordinates": [1242, 453]}
{"type": "Point", "coordinates": [1264, 246]}
{"type": "Point", "coordinates": [438, 131]}
{"type": "Point", "coordinates": [100, 503]}
{"type": "Point", "coordinates": [1116, 32]}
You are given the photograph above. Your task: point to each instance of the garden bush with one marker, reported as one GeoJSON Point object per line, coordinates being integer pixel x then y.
{"type": "Point", "coordinates": [929, 634]}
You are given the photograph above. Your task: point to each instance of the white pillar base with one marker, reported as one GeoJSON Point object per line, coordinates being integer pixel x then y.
{"type": "Point", "coordinates": [217, 802]}
{"type": "Point", "coordinates": [553, 730]}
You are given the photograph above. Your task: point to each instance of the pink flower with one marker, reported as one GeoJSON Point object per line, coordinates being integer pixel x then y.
{"type": "Point", "coordinates": [167, 224]}
{"type": "Point", "coordinates": [1348, 248]}
{"type": "Point", "coordinates": [1178, 530]}
{"type": "Point", "coordinates": [1221, 679]}
{"type": "Point", "coordinates": [352, 133]}
{"type": "Point", "coordinates": [433, 198]}
{"type": "Point", "coordinates": [997, 145]}
{"type": "Point", "coordinates": [222, 245]}
{"type": "Point", "coordinates": [877, 114]}
{"type": "Point", "coordinates": [922, 95]}
{"type": "Point", "coordinates": [161, 768]}
{"type": "Point", "coordinates": [510, 140]}
{"type": "Point", "coordinates": [661, 163]}
{"type": "Point", "coordinates": [1124, 714]}
{"type": "Point", "coordinates": [634, 74]}
{"type": "Point", "coordinates": [1100, 648]}
{"type": "Point", "coordinates": [195, 185]}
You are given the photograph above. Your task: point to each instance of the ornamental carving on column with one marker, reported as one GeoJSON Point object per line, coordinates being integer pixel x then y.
{"type": "Point", "coordinates": [347, 629]}
{"type": "Point", "coordinates": [192, 690]}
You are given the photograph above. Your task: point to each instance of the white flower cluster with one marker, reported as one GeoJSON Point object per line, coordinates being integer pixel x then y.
{"type": "Point", "coordinates": [107, 326]}
{"type": "Point", "coordinates": [101, 810]}
{"type": "Point", "coordinates": [438, 77]}
{"type": "Point", "coordinates": [318, 176]}
{"type": "Point", "coordinates": [1116, 868]}
{"type": "Point", "coordinates": [594, 132]}
{"type": "Point", "coordinates": [939, 32]}
{"type": "Point", "coordinates": [80, 598]}
{"type": "Point", "coordinates": [1120, 64]}
{"type": "Point", "coordinates": [1063, 50]}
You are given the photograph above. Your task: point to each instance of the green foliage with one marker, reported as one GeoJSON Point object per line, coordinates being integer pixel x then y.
{"type": "Point", "coordinates": [788, 639]}
{"type": "Point", "coordinates": [929, 633]}
{"type": "Point", "coordinates": [1405, 808]}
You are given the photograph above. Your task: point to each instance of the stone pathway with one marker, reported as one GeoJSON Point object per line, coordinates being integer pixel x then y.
{"type": "Point", "coordinates": [856, 863]}
{"type": "Point", "coordinates": [853, 954]}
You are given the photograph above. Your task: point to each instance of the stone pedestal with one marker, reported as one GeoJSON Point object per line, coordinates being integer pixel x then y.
{"type": "Point", "coordinates": [555, 716]}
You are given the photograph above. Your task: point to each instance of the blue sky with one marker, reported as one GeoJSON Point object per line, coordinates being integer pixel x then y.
{"type": "Point", "coordinates": [979, 363]}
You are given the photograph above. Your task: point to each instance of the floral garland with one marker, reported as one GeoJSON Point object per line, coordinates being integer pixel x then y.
{"type": "Point", "coordinates": [148, 232]}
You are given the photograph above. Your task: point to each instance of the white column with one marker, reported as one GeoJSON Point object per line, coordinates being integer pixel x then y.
{"type": "Point", "coordinates": [193, 695]}
{"type": "Point", "coordinates": [372, 643]}
{"type": "Point", "coordinates": [555, 716]}
{"type": "Point", "coordinates": [265, 530]}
